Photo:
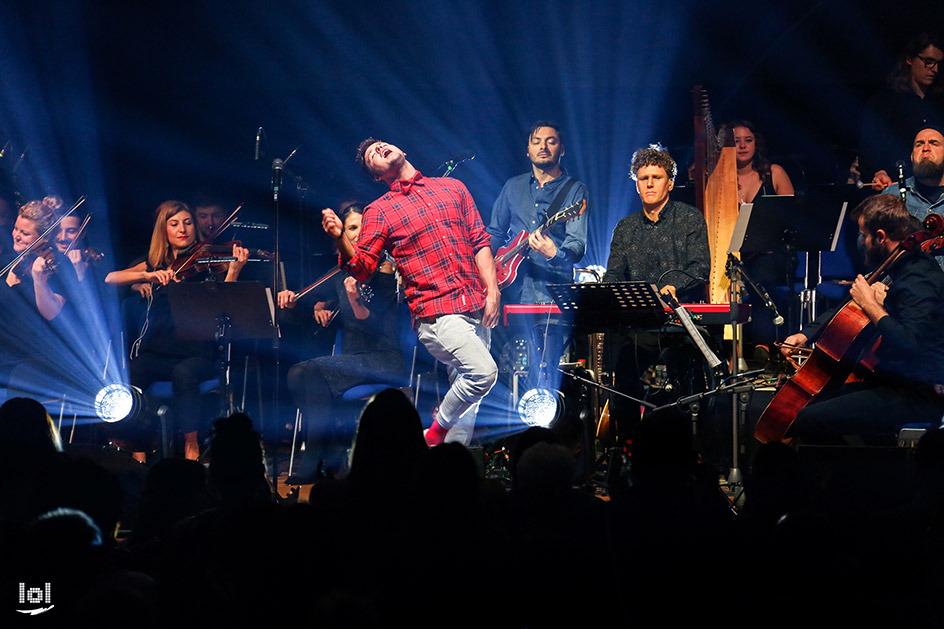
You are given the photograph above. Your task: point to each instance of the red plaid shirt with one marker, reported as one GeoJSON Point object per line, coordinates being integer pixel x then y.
{"type": "Point", "coordinates": [433, 230]}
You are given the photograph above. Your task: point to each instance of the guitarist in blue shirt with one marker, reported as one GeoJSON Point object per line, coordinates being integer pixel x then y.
{"type": "Point", "coordinates": [525, 203]}
{"type": "Point", "coordinates": [524, 206]}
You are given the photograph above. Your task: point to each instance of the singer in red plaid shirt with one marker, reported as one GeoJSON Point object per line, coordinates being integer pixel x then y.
{"type": "Point", "coordinates": [432, 229]}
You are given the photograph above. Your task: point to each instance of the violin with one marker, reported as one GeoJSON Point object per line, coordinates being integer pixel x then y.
{"type": "Point", "coordinates": [91, 255]}
{"type": "Point", "coordinates": [24, 267]}
{"type": "Point", "coordinates": [364, 294]}
{"type": "Point", "coordinates": [214, 258]}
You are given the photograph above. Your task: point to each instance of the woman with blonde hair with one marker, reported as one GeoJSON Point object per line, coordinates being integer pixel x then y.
{"type": "Point", "coordinates": [159, 354]}
{"type": "Point", "coordinates": [36, 304]}
{"type": "Point", "coordinates": [33, 277]}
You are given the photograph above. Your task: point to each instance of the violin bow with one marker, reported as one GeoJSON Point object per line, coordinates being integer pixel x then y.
{"type": "Point", "coordinates": [225, 224]}
{"type": "Point", "coordinates": [79, 233]}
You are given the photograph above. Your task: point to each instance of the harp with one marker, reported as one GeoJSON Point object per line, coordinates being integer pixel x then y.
{"type": "Point", "coordinates": [716, 193]}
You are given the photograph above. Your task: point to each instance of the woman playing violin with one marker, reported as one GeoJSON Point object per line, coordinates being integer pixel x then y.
{"type": "Point", "coordinates": [370, 343]}
{"type": "Point", "coordinates": [33, 296]}
{"type": "Point", "coordinates": [161, 356]}
{"type": "Point", "coordinates": [174, 235]}
{"type": "Point", "coordinates": [32, 277]}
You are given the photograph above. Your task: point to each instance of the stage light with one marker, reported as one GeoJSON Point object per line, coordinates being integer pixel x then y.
{"type": "Point", "coordinates": [114, 403]}
{"type": "Point", "coordinates": [540, 407]}
{"type": "Point", "coordinates": [590, 274]}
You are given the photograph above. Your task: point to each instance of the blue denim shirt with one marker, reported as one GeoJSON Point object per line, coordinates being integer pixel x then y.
{"type": "Point", "coordinates": [522, 206]}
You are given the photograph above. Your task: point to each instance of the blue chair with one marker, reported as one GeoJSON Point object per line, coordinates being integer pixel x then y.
{"type": "Point", "coordinates": [164, 390]}
{"type": "Point", "coordinates": [362, 392]}
{"type": "Point", "coordinates": [408, 347]}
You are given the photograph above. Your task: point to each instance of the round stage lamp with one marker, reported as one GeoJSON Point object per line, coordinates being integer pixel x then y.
{"type": "Point", "coordinates": [539, 407]}
{"type": "Point", "coordinates": [114, 403]}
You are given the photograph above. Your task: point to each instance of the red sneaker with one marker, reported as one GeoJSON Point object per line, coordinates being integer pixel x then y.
{"type": "Point", "coordinates": [435, 434]}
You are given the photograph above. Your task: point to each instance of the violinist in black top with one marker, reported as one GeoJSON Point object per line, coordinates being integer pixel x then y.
{"type": "Point", "coordinates": [370, 343]}
{"type": "Point", "coordinates": [908, 313]}
{"type": "Point", "coordinates": [161, 356]}
{"type": "Point", "coordinates": [32, 277]}
{"type": "Point", "coordinates": [33, 295]}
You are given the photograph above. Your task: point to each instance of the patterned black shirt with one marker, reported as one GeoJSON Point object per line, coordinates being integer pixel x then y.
{"type": "Point", "coordinates": [642, 250]}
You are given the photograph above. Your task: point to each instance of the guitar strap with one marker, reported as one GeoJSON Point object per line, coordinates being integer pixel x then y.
{"type": "Point", "coordinates": [559, 199]}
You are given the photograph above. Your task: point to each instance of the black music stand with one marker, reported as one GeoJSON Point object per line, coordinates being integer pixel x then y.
{"type": "Point", "coordinates": [603, 306]}
{"type": "Point", "coordinates": [222, 312]}
{"type": "Point", "coordinates": [787, 224]}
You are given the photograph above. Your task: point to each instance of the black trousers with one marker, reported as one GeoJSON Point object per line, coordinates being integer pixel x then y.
{"type": "Point", "coordinates": [312, 393]}
{"type": "Point", "coordinates": [185, 374]}
{"type": "Point", "coordinates": [874, 410]}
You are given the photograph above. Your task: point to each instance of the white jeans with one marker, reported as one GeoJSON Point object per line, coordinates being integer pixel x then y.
{"type": "Point", "coordinates": [461, 343]}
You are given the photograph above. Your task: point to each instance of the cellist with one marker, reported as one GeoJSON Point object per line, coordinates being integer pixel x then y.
{"type": "Point", "coordinates": [907, 310]}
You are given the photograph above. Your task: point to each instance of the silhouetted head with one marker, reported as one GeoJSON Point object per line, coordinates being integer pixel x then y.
{"type": "Point", "coordinates": [26, 430]}
{"type": "Point", "coordinates": [237, 461]}
{"type": "Point", "coordinates": [389, 440]}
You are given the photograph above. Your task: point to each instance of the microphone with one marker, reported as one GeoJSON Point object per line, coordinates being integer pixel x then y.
{"type": "Point", "coordinates": [455, 161]}
{"type": "Point", "coordinates": [277, 167]}
{"type": "Point", "coordinates": [901, 178]}
{"type": "Point", "coordinates": [769, 303]}
{"type": "Point", "coordinates": [258, 138]}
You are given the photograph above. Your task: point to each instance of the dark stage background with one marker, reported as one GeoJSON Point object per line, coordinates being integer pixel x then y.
{"type": "Point", "coordinates": [134, 103]}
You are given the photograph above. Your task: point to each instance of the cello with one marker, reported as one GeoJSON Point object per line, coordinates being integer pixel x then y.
{"type": "Point", "coordinates": [837, 351]}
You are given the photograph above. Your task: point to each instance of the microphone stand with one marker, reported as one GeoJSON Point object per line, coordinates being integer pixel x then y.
{"type": "Point", "coordinates": [739, 385]}
{"type": "Point", "coordinates": [740, 398]}
{"type": "Point", "coordinates": [278, 169]}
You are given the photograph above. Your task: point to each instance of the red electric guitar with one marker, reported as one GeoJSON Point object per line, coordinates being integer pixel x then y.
{"type": "Point", "coordinates": [509, 257]}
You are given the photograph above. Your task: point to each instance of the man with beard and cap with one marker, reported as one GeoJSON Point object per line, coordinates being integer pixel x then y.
{"type": "Point", "coordinates": [907, 310]}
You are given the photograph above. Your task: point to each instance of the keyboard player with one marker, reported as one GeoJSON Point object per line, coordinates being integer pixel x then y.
{"type": "Point", "coordinates": [665, 244]}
